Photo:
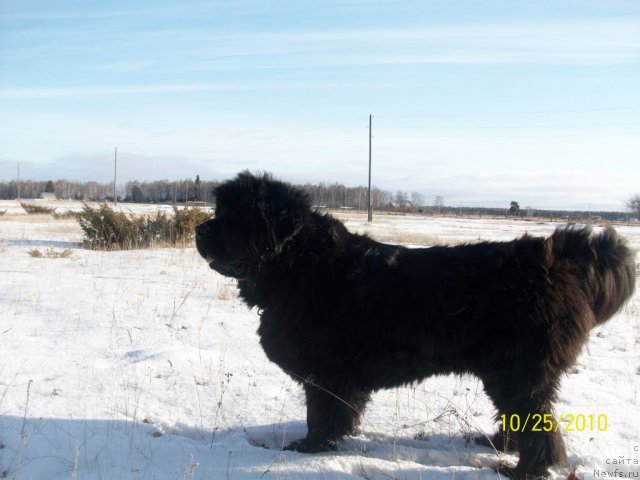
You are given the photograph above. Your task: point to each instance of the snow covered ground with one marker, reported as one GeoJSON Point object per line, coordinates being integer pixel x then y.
{"type": "Point", "coordinates": [145, 364]}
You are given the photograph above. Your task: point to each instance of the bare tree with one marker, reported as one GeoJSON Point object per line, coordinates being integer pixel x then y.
{"type": "Point", "coordinates": [633, 204]}
{"type": "Point", "coordinates": [400, 198]}
{"type": "Point", "coordinates": [417, 199]}
{"type": "Point", "coordinates": [438, 203]}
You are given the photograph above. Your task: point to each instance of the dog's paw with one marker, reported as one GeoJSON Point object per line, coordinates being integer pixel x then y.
{"type": "Point", "coordinates": [306, 446]}
{"type": "Point", "coordinates": [514, 473]}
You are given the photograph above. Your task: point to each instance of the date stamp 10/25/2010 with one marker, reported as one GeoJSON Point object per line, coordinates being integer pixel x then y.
{"type": "Point", "coordinates": [546, 422]}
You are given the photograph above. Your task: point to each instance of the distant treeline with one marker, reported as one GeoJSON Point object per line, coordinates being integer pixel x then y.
{"type": "Point", "coordinates": [63, 189]}
{"type": "Point", "coordinates": [338, 196]}
{"type": "Point", "coordinates": [181, 191]}
{"type": "Point", "coordinates": [332, 196]}
{"type": "Point", "coordinates": [159, 191]}
{"type": "Point", "coordinates": [552, 215]}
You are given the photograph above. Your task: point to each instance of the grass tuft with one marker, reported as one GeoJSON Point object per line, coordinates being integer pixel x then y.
{"type": "Point", "coordinates": [50, 253]}
{"type": "Point", "coordinates": [33, 209]}
{"type": "Point", "coordinates": [64, 215]}
{"type": "Point", "coordinates": [107, 229]}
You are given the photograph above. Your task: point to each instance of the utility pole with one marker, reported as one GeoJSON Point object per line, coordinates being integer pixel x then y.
{"type": "Point", "coordinates": [18, 181]}
{"type": "Point", "coordinates": [115, 171]}
{"type": "Point", "coordinates": [369, 209]}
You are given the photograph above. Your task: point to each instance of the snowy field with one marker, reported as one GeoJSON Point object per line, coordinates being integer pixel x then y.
{"type": "Point", "coordinates": [146, 365]}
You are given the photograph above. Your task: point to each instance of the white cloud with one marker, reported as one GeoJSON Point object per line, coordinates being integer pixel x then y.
{"type": "Point", "coordinates": [35, 93]}
{"type": "Point", "coordinates": [606, 41]}
{"type": "Point", "coordinates": [180, 50]}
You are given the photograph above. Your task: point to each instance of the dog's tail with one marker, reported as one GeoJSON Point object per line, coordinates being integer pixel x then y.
{"type": "Point", "coordinates": [605, 265]}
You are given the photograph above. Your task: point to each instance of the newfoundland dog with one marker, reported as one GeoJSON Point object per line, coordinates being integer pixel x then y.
{"type": "Point", "coordinates": [345, 315]}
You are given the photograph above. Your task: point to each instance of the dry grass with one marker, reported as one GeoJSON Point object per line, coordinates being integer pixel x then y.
{"type": "Point", "coordinates": [44, 226]}
{"type": "Point", "coordinates": [407, 238]}
{"type": "Point", "coordinates": [387, 234]}
{"type": "Point", "coordinates": [50, 253]}
{"type": "Point", "coordinates": [34, 209]}
{"type": "Point", "coordinates": [65, 215]}
{"type": "Point", "coordinates": [44, 223]}
{"type": "Point", "coordinates": [22, 218]}
{"type": "Point", "coordinates": [226, 293]}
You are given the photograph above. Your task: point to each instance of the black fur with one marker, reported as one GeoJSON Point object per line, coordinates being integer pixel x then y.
{"type": "Point", "coordinates": [345, 315]}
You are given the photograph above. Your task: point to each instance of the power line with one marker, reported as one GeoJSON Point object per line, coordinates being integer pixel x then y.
{"type": "Point", "coordinates": [502, 127]}
{"type": "Point", "coordinates": [543, 135]}
{"type": "Point", "coordinates": [487, 114]}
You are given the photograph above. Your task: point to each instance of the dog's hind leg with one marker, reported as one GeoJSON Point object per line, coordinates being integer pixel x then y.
{"type": "Point", "coordinates": [530, 422]}
{"type": "Point", "coordinates": [538, 451]}
{"type": "Point", "coordinates": [331, 414]}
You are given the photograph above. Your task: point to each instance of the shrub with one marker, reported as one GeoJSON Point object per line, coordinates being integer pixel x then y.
{"type": "Point", "coordinates": [185, 221]}
{"type": "Point", "coordinates": [33, 209]}
{"type": "Point", "coordinates": [105, 228]}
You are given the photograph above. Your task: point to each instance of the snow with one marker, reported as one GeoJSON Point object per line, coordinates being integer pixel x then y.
{"type": "Point", "coordinates": [146, 365]}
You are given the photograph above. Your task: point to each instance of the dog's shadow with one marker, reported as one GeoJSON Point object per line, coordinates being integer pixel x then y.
{"type": "Point", "coordinates": [436, 450]}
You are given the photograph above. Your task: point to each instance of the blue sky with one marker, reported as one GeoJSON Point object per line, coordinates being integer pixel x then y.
{"type": "Point", "coordinates": [481, 102]}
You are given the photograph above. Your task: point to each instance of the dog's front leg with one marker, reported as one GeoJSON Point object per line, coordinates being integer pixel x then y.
{"type": "Point", "coordinates": [331, 414]}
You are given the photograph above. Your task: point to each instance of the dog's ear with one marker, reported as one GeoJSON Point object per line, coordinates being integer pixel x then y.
{"type": "Point", "coordinates": [283, 207]}
{"type": "Point", "coordinates": [239, 191]}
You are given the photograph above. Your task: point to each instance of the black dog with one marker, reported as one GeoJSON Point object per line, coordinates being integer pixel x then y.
{"type": "Point", "coordinates": [345, 315]}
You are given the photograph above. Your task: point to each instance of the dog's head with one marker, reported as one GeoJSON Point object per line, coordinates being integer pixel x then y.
{"type": "Point", "coordinates": [254, 217]}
